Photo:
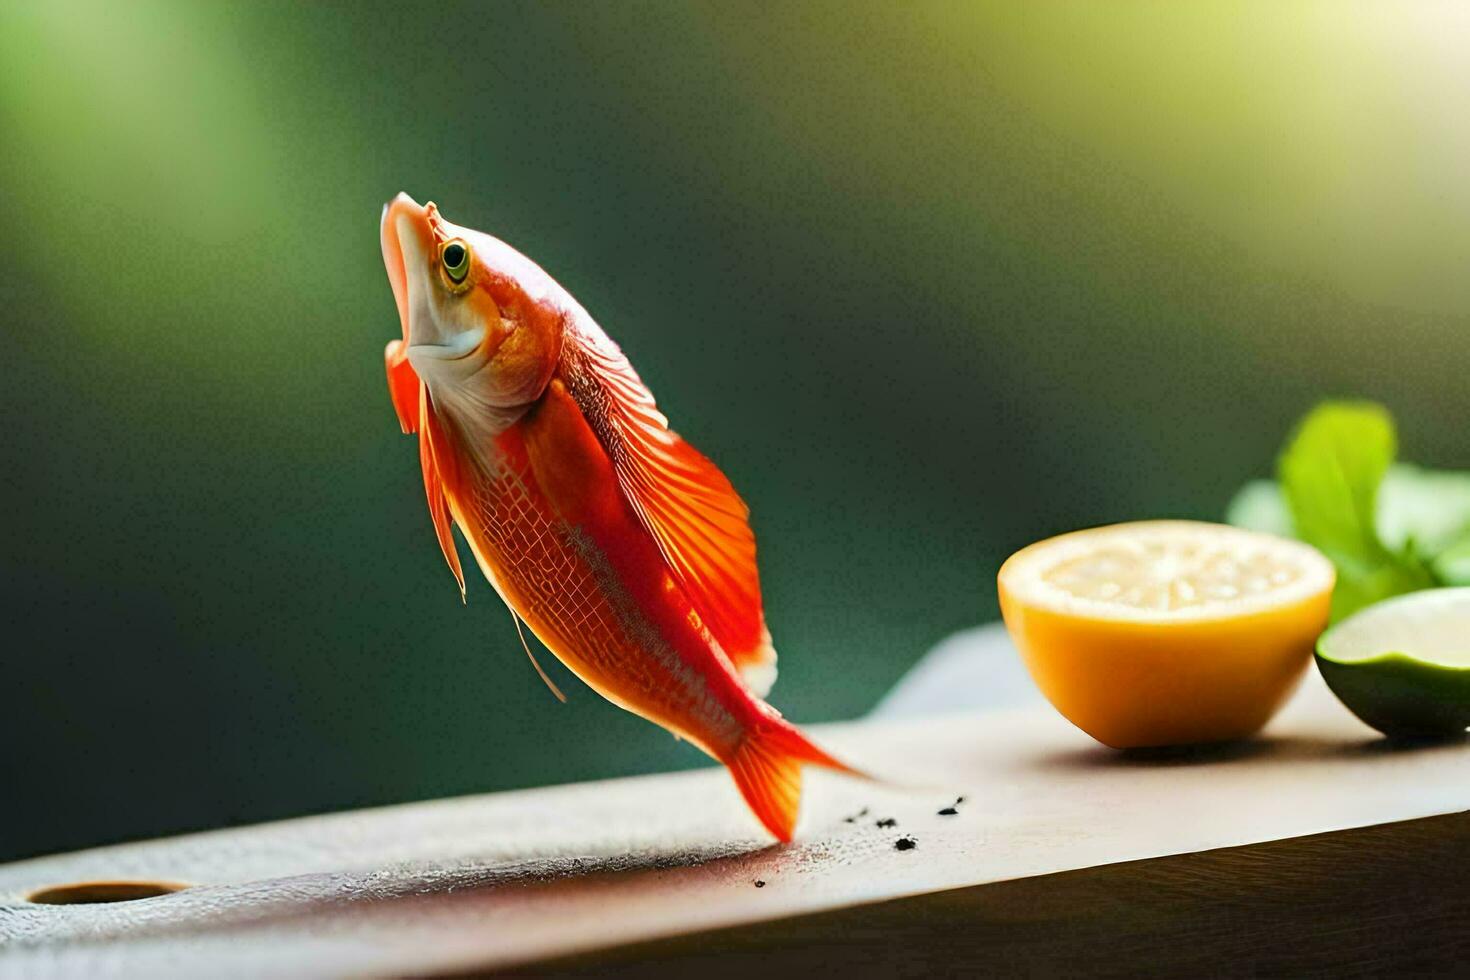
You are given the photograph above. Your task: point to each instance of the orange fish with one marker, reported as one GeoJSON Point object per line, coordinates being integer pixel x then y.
{"type": "Point", "coordinates": [623, 548]}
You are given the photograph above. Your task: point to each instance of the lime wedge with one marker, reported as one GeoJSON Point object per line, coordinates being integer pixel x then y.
{"type": "Point", "coordinates": [1403, 665]}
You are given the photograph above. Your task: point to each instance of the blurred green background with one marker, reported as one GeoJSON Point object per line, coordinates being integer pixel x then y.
{"type": "Point", "coordinates": [929, 282]}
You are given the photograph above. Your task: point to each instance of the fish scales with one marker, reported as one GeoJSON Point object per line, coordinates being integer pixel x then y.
{"type": "Point", "coordinates": [573, 600]}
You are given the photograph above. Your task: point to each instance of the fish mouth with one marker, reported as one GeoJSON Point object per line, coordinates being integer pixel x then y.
{"type": "Point", "coordinates": [410, 233]}
{"type": "Point", "coordinates": [460, 346]}
{"type": "Point", "coordinates": [406, 234]}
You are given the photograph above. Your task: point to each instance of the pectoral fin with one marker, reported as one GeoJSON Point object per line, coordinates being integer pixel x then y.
{"type": "Point", "coordinates": [411, 402]}
{"type": "Point", "coordinates": [403, 385]}
{"type": "Point", "coordinates": [435, 457]}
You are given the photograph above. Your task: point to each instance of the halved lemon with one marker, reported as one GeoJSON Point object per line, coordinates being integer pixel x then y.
{"type": "Point", "coordinates": [1166, 632]}
{"type": "Point", "coordinates": [1403, 665]}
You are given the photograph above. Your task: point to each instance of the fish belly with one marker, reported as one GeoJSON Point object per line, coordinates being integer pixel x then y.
{"type": "Point", "coordinates": [559, 579]}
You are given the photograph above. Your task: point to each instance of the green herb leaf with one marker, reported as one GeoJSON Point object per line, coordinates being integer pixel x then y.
{"type": "Point", "coordinates": [1452, 565]}
{"type": "Point", "coordinates": [1420, 511]}
{"type": "Point", "coordinates": [1330, 472]}
{"type": "Point", "coordinates": [1259, 506]}
{"type": "Point", "coordinates": [1423, 511]}
{"type": "Point", "coordinates": [1330, 475]}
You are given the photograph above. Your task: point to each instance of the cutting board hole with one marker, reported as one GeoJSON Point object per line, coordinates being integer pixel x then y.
{"type": "Point", "coordinates": [100, 892]}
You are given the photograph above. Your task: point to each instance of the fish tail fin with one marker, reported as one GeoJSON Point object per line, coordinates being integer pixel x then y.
{"type": "Point", "coordinates": [767, 769]}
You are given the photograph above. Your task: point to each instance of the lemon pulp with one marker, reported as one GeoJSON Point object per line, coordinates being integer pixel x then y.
{"type": "Point", "coordinates": [1163, 570]}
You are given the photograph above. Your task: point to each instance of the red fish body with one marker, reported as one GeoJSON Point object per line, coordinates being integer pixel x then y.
{"type": "Point", "coordinates": [625, 550]}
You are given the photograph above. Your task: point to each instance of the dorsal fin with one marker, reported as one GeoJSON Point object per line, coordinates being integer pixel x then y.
{"type": "Point", "coordinates": [700, 523]}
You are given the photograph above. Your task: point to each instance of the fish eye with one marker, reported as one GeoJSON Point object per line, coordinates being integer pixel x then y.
{"type": "Point", "coordinates": [455, 258]}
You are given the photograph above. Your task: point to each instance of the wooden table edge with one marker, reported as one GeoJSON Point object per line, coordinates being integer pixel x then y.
{"type": "Point", "coordinates": [1389, 899]}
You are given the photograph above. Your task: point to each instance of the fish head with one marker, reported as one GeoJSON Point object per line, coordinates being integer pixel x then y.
{"type": "Point", "coordinates": [479, 325]}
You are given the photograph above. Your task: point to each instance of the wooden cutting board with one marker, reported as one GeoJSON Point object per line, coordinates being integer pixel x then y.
{"type": "Point", "coordinates": [1318, 846]}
